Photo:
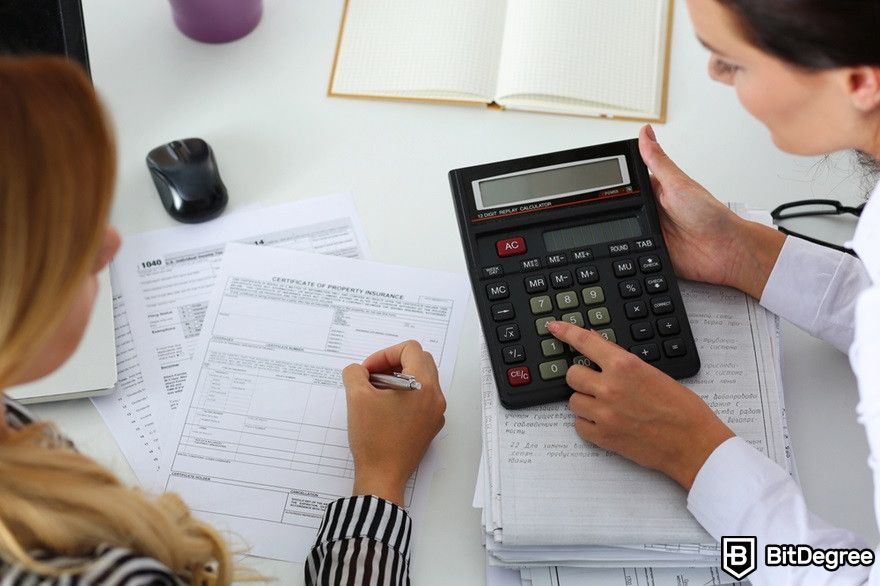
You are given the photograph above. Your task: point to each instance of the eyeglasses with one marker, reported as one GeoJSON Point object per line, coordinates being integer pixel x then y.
{"type": "Point", "coordinates": [814, 207]}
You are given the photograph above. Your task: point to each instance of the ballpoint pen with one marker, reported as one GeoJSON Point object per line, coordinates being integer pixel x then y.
{"type": "Point", "coordinates": [398, 380]}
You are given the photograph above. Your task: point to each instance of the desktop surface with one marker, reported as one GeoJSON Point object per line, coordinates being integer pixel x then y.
{"type": "Point", "coordinates": [261, 102]}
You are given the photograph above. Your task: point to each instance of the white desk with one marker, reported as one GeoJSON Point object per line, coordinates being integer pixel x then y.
{"type": "Point", "coordinates": [261, 104]}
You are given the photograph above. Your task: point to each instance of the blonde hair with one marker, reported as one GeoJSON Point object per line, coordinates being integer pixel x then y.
{"type": "Point", "coordinates": [57, 169]}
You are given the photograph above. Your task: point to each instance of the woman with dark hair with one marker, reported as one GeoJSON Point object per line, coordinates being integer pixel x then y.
{"type": "Point", "coordinates": [810, 71]}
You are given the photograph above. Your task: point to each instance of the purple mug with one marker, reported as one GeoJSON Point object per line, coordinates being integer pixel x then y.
{"type": "Point", "coordinates": [216, 21]}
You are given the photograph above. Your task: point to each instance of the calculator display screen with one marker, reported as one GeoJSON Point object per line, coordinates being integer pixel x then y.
{"type": "Point", "coordinates": [592, 234]}
{"type": "Point", "coordinates": [552, 182]}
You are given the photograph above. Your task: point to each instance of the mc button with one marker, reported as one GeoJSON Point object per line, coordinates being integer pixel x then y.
{"type": "Point", "coordinates": [497, 291]}
{"type": "Point", "coordinates": [511, 247]}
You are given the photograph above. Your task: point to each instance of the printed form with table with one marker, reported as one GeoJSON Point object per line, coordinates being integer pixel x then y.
{"type": "Point", "coordinates": [231, 336]}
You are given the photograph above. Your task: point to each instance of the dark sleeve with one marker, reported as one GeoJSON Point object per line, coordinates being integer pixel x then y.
{"type": "Point", "coordinates": [362, 540]}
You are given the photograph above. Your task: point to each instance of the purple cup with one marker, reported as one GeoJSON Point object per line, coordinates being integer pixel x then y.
{"type": "Point", "coordinates": [216, 21]}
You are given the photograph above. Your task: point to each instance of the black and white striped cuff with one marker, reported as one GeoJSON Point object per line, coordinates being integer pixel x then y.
{"type": "Point", "coordinates": [367, 516]}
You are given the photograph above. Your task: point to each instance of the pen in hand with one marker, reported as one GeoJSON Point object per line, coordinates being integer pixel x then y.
{"type": "Point", "coordinates": [398, 380]}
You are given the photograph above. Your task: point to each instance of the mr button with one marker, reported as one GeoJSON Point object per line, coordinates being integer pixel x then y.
{"type": "Point", "coordinates": [511, 247]}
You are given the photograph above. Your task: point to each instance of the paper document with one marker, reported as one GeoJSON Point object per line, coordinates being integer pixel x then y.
{"type": "Point", "coordinates": [162, 282]}
{"type": "Point", "coordinates": [259, 442]}
{"type": "Point", "coordinates": [556, 576]}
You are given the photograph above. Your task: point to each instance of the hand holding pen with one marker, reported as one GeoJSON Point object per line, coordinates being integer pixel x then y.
{"type": "Point", "coordinates": [388, 430]}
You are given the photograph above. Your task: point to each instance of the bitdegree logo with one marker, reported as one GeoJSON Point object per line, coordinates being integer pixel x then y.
{"type": "Point", "coordinates": [739, 556]}
{"type": "Point", "coordinates": [805, 555]}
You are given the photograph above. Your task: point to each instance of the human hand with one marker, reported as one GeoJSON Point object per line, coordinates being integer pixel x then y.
{"type": "Point", "coordinates": [637, 411]}
{"type": "Point", "coordinates": [389, 430]}
{"type": "Point", "coordinates": [706, 240]}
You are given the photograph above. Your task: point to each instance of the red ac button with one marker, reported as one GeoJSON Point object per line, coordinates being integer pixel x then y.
{"type": "Point", "coordinates": [511, 246]}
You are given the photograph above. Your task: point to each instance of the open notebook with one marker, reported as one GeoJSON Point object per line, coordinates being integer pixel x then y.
{"type": "Point", "coordinates": [583, 57]}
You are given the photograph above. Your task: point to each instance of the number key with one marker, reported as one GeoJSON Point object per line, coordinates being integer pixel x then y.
{"type": "Point", "coordinates": [553, 370]}
{"type": "Point", "coordinates": [567, 300]}
{"type": "Point", "coordinates": [599, 316]}
{"type": "Point", "coordinates": [608, 334]}
{"type": "Point", "coordinates": [594, 295]}
{"type": "Point", "coordinates": [575, 318]}
{"type": "Point", "coordinates": [541, 325]}
{"type": "Point", "coordinates": [551, 347]}
{"type": "Point", "coordinates": [541, 304]}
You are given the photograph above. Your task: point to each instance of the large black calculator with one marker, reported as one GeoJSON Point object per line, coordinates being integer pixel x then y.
{"type": "Point", "coordinates": [571, 236]}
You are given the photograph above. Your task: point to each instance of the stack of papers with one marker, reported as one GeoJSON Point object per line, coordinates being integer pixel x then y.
{"type": "Point", "coordinates": [231, 339]}
{"type": "Point", "coordinates": [561, 511]}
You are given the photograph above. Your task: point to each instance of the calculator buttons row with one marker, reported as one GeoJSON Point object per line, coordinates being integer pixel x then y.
{"type": "Point", "coordinates": [651, 352]}
{"type": "Point", "coordinates": [645, 331]}
{"type": "Point", "coordinates": [511, 247]}
{"type": "Point", "coordinates": [567, 300]}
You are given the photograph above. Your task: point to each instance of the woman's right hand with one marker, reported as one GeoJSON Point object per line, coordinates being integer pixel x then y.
{"type": "Point", "coordinates": [706, 240]}
{"type": "Point", "coordinates": [390, 430]}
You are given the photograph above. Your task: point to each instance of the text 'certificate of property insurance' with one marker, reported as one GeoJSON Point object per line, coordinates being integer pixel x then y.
{"type": "Point", "coordinates": [260, 439]}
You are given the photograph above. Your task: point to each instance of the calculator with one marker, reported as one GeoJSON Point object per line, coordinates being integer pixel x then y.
{"type": "Point", "coordinates": [572, 236]}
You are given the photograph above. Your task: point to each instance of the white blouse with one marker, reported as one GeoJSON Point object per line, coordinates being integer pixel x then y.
{"type": "Point", "coordinates": [837, 300]}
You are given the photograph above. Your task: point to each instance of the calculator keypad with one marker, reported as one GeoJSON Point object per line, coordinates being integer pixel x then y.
{"type": "Point", "coordinates": [580, 289]}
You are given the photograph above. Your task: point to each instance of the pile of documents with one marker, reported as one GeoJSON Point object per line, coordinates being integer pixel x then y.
{"type": "Point", "coordinates": [560, 511]}
{"type": "Point", "coordinates": [231, 339]}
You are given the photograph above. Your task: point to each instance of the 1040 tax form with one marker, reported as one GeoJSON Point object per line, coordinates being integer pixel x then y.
{"type": "Point", "coordinates": [259, 443]}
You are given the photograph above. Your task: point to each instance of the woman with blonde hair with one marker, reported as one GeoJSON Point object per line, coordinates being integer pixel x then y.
{"type": "Point", "coordinates": [65, 519]}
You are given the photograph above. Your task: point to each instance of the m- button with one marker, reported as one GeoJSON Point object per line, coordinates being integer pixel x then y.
{"type": "Point", "coordinates": [511, 247]}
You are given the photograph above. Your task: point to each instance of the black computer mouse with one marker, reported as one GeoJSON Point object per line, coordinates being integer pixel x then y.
{"type": "Point", "coordinates": [186, 176]}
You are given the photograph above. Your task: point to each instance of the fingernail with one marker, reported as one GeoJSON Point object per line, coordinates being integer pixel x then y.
{"type": "Point", "coordinates": [553, 327]}
{"type": "Point", "coordinates": [651, 133]}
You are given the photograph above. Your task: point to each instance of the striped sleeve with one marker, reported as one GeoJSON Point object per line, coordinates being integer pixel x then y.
{"type": "Point", "coordinates": [363, 540]}
{"type": "Point", "coordinates": [110, 566]}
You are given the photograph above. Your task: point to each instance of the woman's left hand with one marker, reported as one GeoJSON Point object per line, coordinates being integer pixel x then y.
{"type": "Point", "coordinates": [637, 411]}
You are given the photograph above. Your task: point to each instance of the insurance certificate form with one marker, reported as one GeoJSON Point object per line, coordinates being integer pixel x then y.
{"type": "Point", "coordinates": [259, 444]}
{"type": "Point", "coordinates": [162, 282]}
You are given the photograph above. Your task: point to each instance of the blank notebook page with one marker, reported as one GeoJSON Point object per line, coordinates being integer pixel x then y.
{"type": "Point", "coordinates": [604, 52]}
{"type": "Point", "coordinates": [425, 48]}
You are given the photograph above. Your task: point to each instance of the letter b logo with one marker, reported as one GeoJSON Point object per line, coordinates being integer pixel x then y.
{"type": "Point", "coordinates": [739, 556]}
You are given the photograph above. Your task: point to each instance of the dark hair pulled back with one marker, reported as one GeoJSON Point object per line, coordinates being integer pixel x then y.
{"type": "Point", "coordinates": [816, 34]}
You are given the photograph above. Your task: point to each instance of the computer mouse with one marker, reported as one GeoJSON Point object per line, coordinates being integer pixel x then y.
{"type": "Point", "coordinates": [186, 176]}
